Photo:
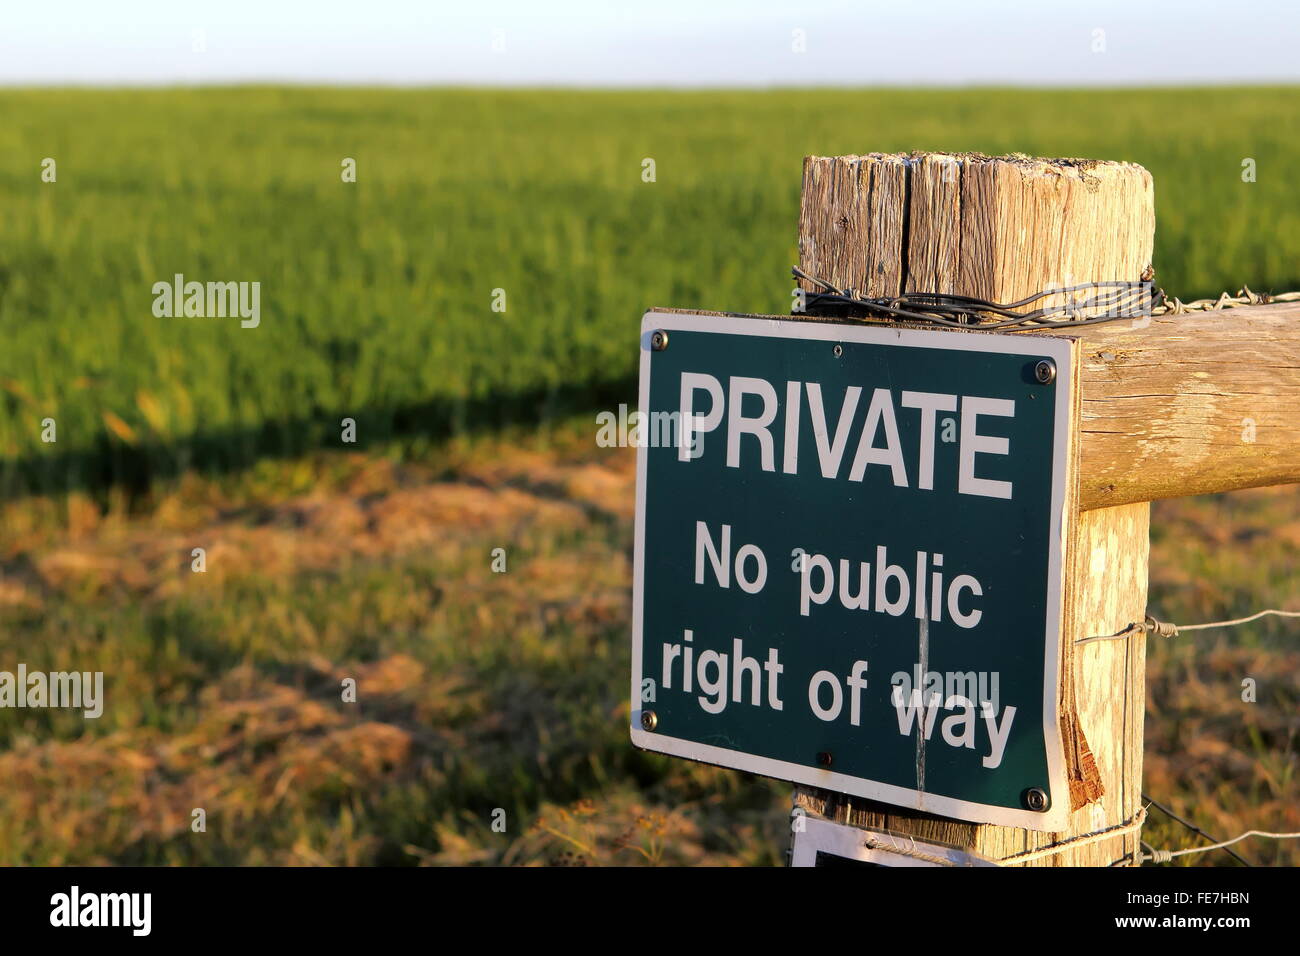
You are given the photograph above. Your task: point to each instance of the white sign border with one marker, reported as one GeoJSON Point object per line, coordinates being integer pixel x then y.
{"type": "Point", "coordinates": [1060, 350]}
{"type": "Point", "coordinates": [826, 836]}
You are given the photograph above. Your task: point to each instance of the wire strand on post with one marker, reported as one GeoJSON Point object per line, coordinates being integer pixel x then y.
{"type": "Point", "coordinates": [1165, 629]}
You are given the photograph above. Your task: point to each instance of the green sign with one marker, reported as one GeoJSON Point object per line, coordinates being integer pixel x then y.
{"type": "Point", "coordinates": [849, 559]}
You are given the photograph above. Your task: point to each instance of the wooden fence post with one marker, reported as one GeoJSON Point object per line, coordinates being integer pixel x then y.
{"type": "Point", "coordinates": [1003, 229]}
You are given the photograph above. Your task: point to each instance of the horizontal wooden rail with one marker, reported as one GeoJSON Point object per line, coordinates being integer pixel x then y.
{"type": "Point", "coordinates": [1190, 404]}
{"type": "Point", "coordinates": [1187, 405]}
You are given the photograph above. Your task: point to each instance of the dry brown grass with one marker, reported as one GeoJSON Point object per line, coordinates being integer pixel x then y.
{"type": "Point", "coordinates": [481, 690]}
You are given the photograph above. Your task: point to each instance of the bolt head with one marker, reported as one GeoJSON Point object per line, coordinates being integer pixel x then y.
{"type": "Point", "coordinates": [1036, 799]}
{"type": "Point", "coordinates": [838, 350]}
{"type": "Point", "coordinates": [1045, 372]}
{"type": "Point", "coordinates": [824, 758]}
{"type": "Point", "coordinates": [658, 340]}
{"type": "Point", "coordinates": [649, 720]}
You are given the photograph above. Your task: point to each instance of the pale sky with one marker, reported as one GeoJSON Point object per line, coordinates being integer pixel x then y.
{"type": "Point", "coordinates": [649, 42]}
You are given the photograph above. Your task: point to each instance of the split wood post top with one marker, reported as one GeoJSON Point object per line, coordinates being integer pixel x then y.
{"type": "Point", "coordinates": [999, 228]}
{"type": "Point", "coordinates": [1003, 229]}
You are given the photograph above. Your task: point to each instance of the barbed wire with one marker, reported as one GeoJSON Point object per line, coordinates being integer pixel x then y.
{"type": "Point", "coordinates": [1114, 300]}
{"type": "Point", "coordinates": [1243, 297]}
{"type": "Point", "coordinates": [1191, 826]}
{"type": "Point", "coordinates": [1168, 856]}
{"type": "Point", "coordinates": [1166, 629]}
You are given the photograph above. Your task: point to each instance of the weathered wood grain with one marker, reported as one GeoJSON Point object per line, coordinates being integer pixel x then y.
{"type": "Point", "coordinates": [1000, 228]}
{"type": "Point", "coordinates": [851, 221]}
{"type": "Point", "coordinates": [1191, 404]}
{"type": "Point", "coordinates": [1111, 550]}
{"type": "Point", "coordinates": [886, 265]}
{"type": "Point", "coordinates": [1028, 225]}
{"type": "Point", "coordinates": [934, 234]}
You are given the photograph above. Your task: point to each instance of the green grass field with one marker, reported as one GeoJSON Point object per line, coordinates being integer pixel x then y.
{"type": "Point", "coordinates": [376, 296]}
{"type": "Point", "coordinates": [480, 692]}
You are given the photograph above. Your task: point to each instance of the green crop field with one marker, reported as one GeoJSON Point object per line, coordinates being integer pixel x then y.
{"type": "Point", "coordinates": [485, 697]}
{"type": "Point", "coordinates": [376, 296]}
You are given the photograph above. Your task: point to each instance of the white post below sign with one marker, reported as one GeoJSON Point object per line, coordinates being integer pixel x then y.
{"type": "Point", "coordinates": [818, 842]}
